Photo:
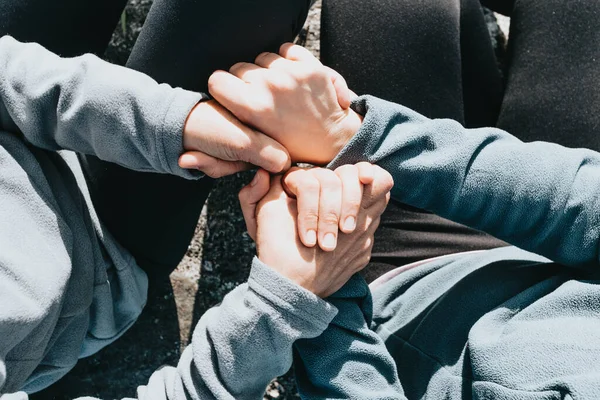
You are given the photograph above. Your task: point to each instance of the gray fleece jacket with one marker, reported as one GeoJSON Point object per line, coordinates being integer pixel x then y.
{"type": "Point", "coordinates": [66, 286]}
{"type": "Point", "coordinates": [498, 324]}
{"type": "Point", "coordinates": [503, 324]}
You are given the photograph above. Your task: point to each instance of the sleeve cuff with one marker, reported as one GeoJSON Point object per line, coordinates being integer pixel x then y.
{"type": "Point", "coordinates": [379, 117]}
{"type": "Point", "coordinates": [354, 152]}
{"type": "Point", "coordinates": [290, 297]}
{"type": "Point", "coordinates": [170, 135]}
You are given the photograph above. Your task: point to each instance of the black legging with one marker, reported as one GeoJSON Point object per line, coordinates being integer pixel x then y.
{"type": "Point", "coordinates": [436, 57]}
{"type": "Point", "coordinates": [181, 43]}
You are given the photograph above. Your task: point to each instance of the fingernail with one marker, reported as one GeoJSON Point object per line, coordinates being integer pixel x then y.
{"type": "Point", "coordinates": [255, 179]}
{"type": "Point", "coordinates": [311, 238]}
{"type": "Point", "coordinates": [329, 241]}
{"type": "Point", "coordinates": [350, 223]}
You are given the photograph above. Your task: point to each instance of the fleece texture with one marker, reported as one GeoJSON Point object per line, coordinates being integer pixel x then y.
{"type": "Point", "coordinates": [518, 323]}
{"type": "Point", "coordinates": [67, 288]}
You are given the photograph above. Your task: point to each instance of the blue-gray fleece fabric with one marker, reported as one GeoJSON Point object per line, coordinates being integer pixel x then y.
{"type": "Point", "coordinates": [503, 323]}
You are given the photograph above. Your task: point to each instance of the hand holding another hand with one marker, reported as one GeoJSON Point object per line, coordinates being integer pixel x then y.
{"type": "Point", "coordinates": [292, 98]}
{"type": "Point", "coordinates": [272, 215]}
{"type": "Point", "coordinates": [218, 144]}
{"type": "Point", "coordinates": [285, 108]}
{"type": "Point", "coordinates": [327, 201]}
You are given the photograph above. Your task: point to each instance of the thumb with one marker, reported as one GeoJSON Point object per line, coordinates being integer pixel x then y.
{"type": "Point", "coordinates": [381, 183]}
{"type": "Point", "coordinates": [366, 172]}
{"type": "Point", "coordinates": [211, 166]}
{"type": "Point", "coordinates": [265, 152]}
{"type": "Point", "coordinates": [250, 196]}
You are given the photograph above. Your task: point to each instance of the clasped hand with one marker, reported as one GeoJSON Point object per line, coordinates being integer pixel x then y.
{"type": "Point", "coordinates": [285, 108]}
{"type": "Point", "coordinates": [314, 226]}
{"type": "Point", "coordinates": [271, 215]}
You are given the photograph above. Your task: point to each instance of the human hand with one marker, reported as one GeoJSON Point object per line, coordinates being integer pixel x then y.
{"type": "Point", "coordinates": [292, 98]}
{"type": "Point", "coordinates": [327, 200]}
{"type": "Point", "coordinates": [271, 217]}
{"type": "Point", "coordinates": [218, 144]}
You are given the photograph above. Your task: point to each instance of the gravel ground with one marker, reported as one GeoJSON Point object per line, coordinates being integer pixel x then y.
{"type": "Point", "coordinates": [217, 260]}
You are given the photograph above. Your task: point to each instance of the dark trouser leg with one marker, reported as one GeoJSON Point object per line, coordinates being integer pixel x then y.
{"type": "Point", "coordinates": [553, 85]}
{"type": "Point", "coordinates": [67, 27]}
{"type": "Point", "coordinates": [182, 43]}
{"type": "Point", "coordinates": [435, 57]}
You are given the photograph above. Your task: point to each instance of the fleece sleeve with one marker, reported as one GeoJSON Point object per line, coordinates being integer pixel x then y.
{"type": "Point", "coordinates": [239, 346]}
{"type": "Point", "coordinates": [90, 106]}
{"type": "Point", "coordinates": [539, 196]}
{"type": "Point", "coordinates": [349, 360]}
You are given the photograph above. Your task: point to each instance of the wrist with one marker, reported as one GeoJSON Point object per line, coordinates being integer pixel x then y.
{"type": "Point", "coordinates": [195, 117]}
{"type": "Point", "coordinates": [276, 286]}
{"type": "Point", "coordinates": [280, 264]}
{"type": "Point", "coordinates": [347, 128]}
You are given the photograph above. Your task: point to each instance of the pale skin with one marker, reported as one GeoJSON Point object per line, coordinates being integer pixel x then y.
{"type": "Point", "coordinates": [303, 106]}
{"type": "Point", "coordinates": [228, 145]}
{"type": "Point", "coordinates": [271, 217]}
{"type": "Point", "coordinates": [301, 110]}
{"type": "Point", "coordinates": [293, 99]}
{"type": "Point", "coordinates": [220, 142]}
{"type": "Point", "coordinates": [327, 200]}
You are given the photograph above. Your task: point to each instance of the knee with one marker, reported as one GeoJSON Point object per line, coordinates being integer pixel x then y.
{"type": "Point", "coordinates": [428, 15]}
{"type": "Point", "coordinates": [418, 16]}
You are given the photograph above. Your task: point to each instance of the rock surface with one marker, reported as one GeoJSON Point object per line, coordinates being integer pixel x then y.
{"type": "Point", "coordinates": [217, 260]}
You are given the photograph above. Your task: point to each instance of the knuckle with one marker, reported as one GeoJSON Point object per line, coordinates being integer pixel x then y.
{"type": "Point", "coordinates": [314, 72]}
{"type": "Point", "coordinates": [284, 48]}
{"type": "Point", "coordinates": [212, 172]}
{"type": "Point", "coordinates": [310, 217]}
{"type": "Point", "coordinates": [352, 205]}
{"type": "Point", "coordinates": [305, 74]}
{"type": "Point", "coordinates": [381, 205]}
{"type": "Point", "coordinates": [309, 184]}
{"type": "Point", "coordinates": [329, 218]}
{"type": "Point", "coordinates": [236, 67]}
{"type": "Point", "coordinates": [360, 263]}
{"type": "Point", "coordinates": [366, 259]}
{"type": "Point", "coordinates": [384, 178]}
{"type": "Point", "coordinates": [388, 181]}
{"type": "Point", "coordinates": [236, 151]}
{"type": "Point", "coordinates": [242, 144]}
{"type": "Point", "coordinates": [368, 221]}
{"type": "Point", "coordinates": [328, 178]}
{"type": "Point", "coordinates": [261, 105]}
{"type": "Point", "coordinates": [282, 83]}
{"type": "Point", "coordinates": [346, 170]}
{"type": "Point", "coordinates": [262, 56]}
{"type": "Point", "coordinates": [210, 169]}
{"type": "Point", "coordinates": [213, 80]}
{"type": "Point", "coordinates": [347, 173]}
